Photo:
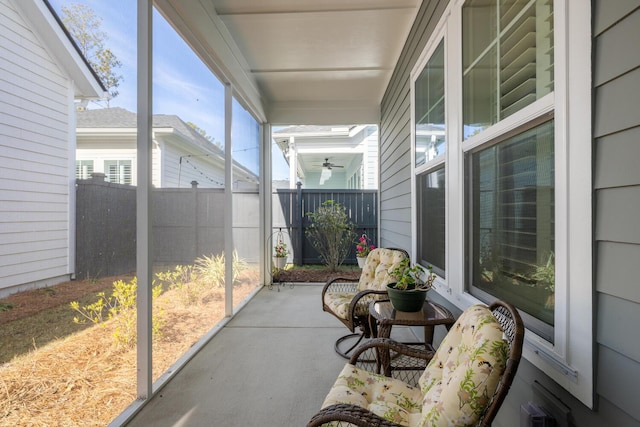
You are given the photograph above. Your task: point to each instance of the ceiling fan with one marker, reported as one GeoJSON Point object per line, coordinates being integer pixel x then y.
{"type": "Point", "coordinates": [329, 165]}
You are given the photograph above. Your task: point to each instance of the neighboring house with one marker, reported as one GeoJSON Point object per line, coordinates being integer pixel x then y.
{"type": "Point", "coordinates": [42, 75]}
{"type": "Point", "coordinates": [181, 155]}
{"type": "Point", "coordinates": [335, 157]}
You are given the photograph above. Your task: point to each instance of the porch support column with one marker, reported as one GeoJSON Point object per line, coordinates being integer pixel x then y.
{"type": "Point", "coordinates": [228, 200]}
{"type": "Point", "coordinates": [144, 252]}
{"type": "Point", "coordinates": [293, 163]}
{"type": "Point", "coordinates": [266, 202]}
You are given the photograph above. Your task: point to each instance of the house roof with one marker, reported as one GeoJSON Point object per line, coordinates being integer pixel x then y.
{"type": "Point", "coordinates": [116, 117]}
{"type": "Point", "coordinates": [47, 26]}
{"type": "Point", "coordinates": [290, 61]}
{"type": "Point", "coordinates": [120, 118]}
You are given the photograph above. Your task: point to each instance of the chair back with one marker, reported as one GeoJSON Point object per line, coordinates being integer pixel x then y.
{"type": "Point", "coordinates": [375, 273]}
{"type": "Point", "coordinates": [471, 372]}
{"type": "Point", "coordinates": [513, 328]}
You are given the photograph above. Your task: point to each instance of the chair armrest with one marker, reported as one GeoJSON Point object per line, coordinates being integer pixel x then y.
{"type": "Point", "coordinates": [419, 354]}
{"type": "Point", "coordinates": [365, 297]}
{"type": "Point", "coordinates": [349, 414]}
{"type": "Point", "coordinates": [405, 362]}
{"type": "Point", "coordinates": [340, 284]}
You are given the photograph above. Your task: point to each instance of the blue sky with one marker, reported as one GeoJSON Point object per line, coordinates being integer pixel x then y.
{"type": "Point", "coordinates": [182, 84]}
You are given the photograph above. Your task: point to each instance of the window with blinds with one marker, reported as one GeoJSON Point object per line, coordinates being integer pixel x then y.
{"type": "Point", "coordinates": [118, 171]}
{"type": "Point", "coordinates": [511, 219]}
{"type": "Point", "coordinates": [84, 169]}
{"type": "Point", "coordinates": [507, 58]}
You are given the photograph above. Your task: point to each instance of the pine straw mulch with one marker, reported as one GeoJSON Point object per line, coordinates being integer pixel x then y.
{"type": "Point", "coordinates": [86, 380]}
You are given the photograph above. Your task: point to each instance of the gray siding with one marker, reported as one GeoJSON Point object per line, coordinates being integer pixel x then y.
{"type": "Point", "coordinates": [395, 134]}
{"type": "Point", "coordinates": [616, 77]}
{"type": "Point", "coordinates": [617, 189]}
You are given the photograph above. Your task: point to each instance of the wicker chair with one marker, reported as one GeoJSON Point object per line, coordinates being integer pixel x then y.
{"type": "Point", "coordinates": [348, 299]}
{"type": "Point", "coordinates": [466, 381]}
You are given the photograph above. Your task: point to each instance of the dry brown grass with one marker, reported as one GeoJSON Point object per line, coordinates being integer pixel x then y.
{"type": "Point", "coordinates": [85, 380]}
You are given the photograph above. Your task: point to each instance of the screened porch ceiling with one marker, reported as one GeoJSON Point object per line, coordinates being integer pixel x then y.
{"type": "Point", "coordinates": [299, 61]}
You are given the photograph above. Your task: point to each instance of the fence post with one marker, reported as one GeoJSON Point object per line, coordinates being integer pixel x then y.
{"type": "Point", "coordinates": [196, 247]}
{"type": "Point", "coordinates": [300, 218]}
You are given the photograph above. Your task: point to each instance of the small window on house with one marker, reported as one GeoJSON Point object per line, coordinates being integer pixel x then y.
{"type": "Point", "coordinates": [429, 149]}
{"type": "Point", "coordinates": [118, 171]}
{"type": "Point", "coordinates": [84, 169]}
{"type": "Point", "coordinates": [431, 224]}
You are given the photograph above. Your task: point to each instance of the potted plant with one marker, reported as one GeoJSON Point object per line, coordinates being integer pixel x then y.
{"type": "Point", "coordinates": [362, 250]}
{"type": "Point", "coordinates": [280, 253]}
{"type": "Point", "coordinates": [409, 291]}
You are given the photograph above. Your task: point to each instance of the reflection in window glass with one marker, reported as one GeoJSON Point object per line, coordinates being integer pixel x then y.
{"type": "Point", "coordinates": [429, 109]}
{"type": "Point", "coordinates": [431, 220]}
{"type": "Point", "coordinates": [512, 223]}
{"type": "Point", "coordinates": [507, 53]}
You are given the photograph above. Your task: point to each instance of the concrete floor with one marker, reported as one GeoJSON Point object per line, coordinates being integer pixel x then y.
{"type": "Point", "coordinates": [271, 365]}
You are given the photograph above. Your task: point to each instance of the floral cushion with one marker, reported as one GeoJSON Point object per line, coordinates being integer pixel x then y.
{"type": "Point", "coordinates": [375, 276]}
{"type": "Point", "coordinates": [454, 389]}
{"type": "Point", "coordinates": [386, 397]}
{"type": "Point", "coordinates": [375, 273]}
{"type": "Point", "coordinates": [461, 378]}
{"type": "Point", "coordinates": [339, 302]}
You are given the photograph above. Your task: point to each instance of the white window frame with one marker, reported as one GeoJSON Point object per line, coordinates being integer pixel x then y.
{"type": "Point", "coordinates": [569, 359]}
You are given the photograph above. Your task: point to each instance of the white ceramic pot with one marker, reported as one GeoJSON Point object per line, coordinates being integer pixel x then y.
{"type": "Point", "coordinates": [279, 262]}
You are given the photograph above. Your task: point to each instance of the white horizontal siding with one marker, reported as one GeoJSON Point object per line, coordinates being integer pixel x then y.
{"type": "Point", "coordinates": [34, 158]}
{"type": "Point", "coordinates": [199, 169]}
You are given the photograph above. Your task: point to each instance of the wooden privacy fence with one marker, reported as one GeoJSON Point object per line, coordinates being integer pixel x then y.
{"type": "Point", "coordinates": [290, 208]}
{"type": "Point", "coordinates": [189, 222]}
{"type": "Point", "coordinates": [186, 224]}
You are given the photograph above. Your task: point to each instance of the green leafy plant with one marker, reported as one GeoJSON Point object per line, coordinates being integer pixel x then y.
{"type": "Point", "coordinates": [545, 274]}
{"type": "Point", "coordinates": [5, 306]}
{"type": "Point", "coordinates": [119, 307]}
{"type": "Point", "coordinates": [182, 279]}
{"type": "Point", "coordinates": [331, 233]}
{"type": "Point", "coordinates": [410, 276]}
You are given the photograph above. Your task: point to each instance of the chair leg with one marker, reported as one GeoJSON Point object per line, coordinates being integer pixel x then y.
{"type": "Point", "coordinates": [340, 340]}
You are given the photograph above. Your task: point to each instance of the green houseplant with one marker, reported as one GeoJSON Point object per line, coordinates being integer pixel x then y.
{"type": "Point", "coordinates": [409, 291]}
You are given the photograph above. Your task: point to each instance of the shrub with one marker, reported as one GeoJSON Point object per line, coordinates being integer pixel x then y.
{"type": "Point", "coordinates": [331, 233]}
{"type": "Point", "coordinates": [120, 307]}
{"type": "Point", "coordinates": [183, 280]}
